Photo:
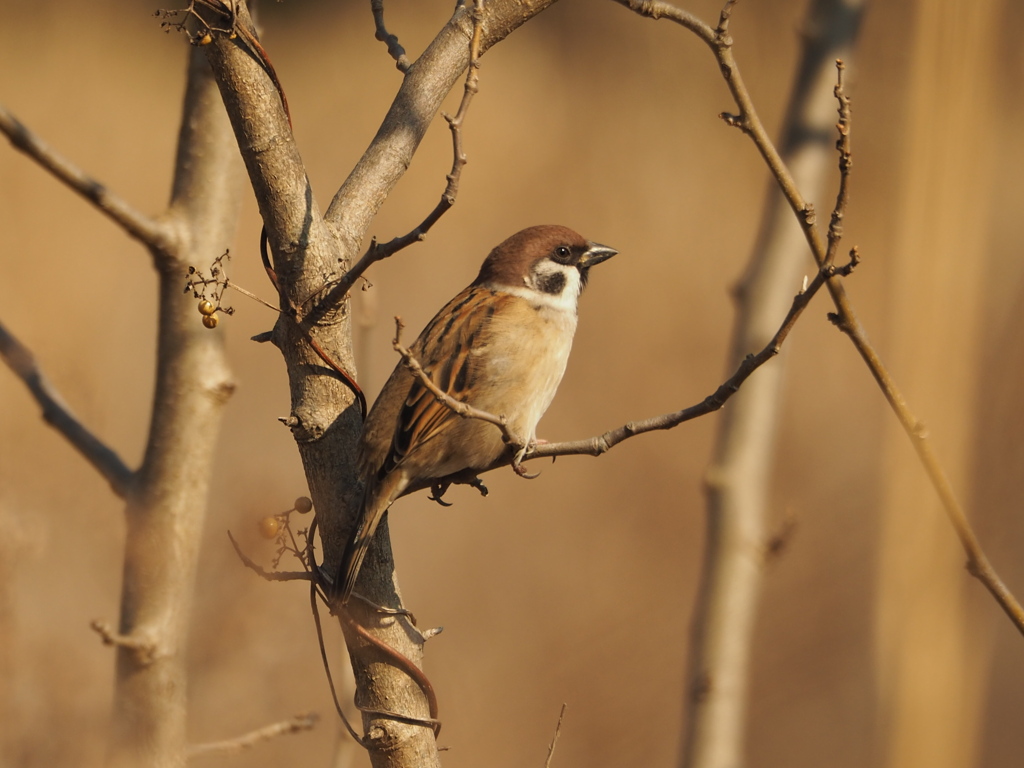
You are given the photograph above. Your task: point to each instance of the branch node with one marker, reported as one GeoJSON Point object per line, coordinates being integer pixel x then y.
{"type": "Point", "coordinates": [143, 648]}
{"type": "Point", "coordinates": [427, 634]}
{"type": "Point", "coordinates": [809, 215]}
{"type": "Point", "coordinates": [735, 121]}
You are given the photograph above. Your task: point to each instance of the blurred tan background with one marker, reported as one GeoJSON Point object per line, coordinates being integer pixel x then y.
{"type": "Point", "coordinates": [576, 587]}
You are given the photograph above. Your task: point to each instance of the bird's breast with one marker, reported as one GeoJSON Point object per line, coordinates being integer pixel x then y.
{"type": "Point", "coordinates": [524, 358]}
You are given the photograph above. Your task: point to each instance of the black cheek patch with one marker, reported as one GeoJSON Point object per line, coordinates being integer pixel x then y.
{"type": "Point", "coordinates": [552, 283]}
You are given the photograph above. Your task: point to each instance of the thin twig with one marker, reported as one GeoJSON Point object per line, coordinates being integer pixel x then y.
{"type": "Point", "coordinates": [143, 228]}
{"type": "Point", "coordinates": [377, 251]}
{"type": "Point", "coordinates": [263, 572]}
{"type": "Point", "coordinates": [314, 607]}
{"type": "Point", "coordinates": [554, 739]}
{"type": "Point", "coordinates": [57, 414]}
{"type": "Point", "coordinates": [835, 226]}
{"type": "Point", "coordinates": [250, 294]}
{"type": "Point", "coordinates": [595, 446]}
{"type": "Point", "coordinates": [395, 50]}
{"type": "Point", "coordinates": [465, 410]}
{"type": "Point", "coordinates": [297, 724]}
{"type": "Point", "coordinates": [144, 648]}
{"type": "Point", "coordinates": [845, 318]}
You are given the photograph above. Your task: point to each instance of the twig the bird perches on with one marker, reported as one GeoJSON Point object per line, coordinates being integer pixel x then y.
{"type": "Point", "coordinates": [465, 410]}
{"type": "Point", "coordinates": [595, 446]}
{"type": "Point", "coordinates": [460, 408]}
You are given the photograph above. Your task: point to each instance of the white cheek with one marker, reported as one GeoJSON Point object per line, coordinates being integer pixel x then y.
{"type": "Point", "coordinates": [570, 293]}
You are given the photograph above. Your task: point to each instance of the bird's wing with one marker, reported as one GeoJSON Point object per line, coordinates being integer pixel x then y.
{"type": "Point", "coordinates": [449, 351]}
{"type": "Point", "coordinates": [444, 350]}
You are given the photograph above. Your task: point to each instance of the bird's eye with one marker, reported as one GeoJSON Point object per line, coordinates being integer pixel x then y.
{"type": "Point", "coordinates": [562, 253]}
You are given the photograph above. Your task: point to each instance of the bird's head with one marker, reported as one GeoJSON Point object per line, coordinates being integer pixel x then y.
{"type": "Point", "coordinates": [549, 262]}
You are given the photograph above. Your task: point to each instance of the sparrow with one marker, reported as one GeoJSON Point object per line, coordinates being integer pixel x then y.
{"type": "Point", "coordinates": [501, 345]}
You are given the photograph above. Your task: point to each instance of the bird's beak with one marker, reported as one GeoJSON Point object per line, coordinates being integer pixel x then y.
{"type": "Point", "coordinates": [595, 254]}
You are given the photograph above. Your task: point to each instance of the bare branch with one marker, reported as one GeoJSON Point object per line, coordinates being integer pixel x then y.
{"type": "Point", "coordinates": [845, 318]}
{"type": "Point", "coordinates": [297, 724]}
{"type": "Point", "coordinates": [395, 50]}
{"type": "Point", "coordinates": [57, 414]}
{"type": "Point", "coordinates": [595, 446]}
{"type": "Point", "coordinates": [554, 739]}
{"type": "Point", "coordinates": [192, 385]}
{"type": "Point", "coordinates": [377, 252]}
{"type": "Point", "coordinates": [260, 571]}
{"type": "Point", "coordinates": [402, 662]}
{"type": "Point", "coordinates": [738, 478]}
{"type": "Point", "coordinates": [425, 86]}
{"type": "Point", "coordinates": [835, 227]}
{"type": "Point", "coordinates": [148, 231]}
{"type": "Point", "coordinates": [655, 9]}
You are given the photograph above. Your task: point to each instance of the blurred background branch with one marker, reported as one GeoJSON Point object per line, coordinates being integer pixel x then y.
{"type": "Point", "coordinates": [740, 476]}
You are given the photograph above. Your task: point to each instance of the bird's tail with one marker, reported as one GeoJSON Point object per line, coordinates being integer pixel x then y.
{"type": "Point", "coordinates": [376, 500]}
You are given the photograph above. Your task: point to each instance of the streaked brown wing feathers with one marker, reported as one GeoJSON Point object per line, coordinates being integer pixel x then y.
{"type": "Point", "coordinates": [443, 349]}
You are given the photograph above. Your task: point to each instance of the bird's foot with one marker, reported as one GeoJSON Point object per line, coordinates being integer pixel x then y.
{"type": "Point", "coordinates": [437, 492]}
{"type": "Point", "coordinates": [477, 483]}
{"type": "Point", "coordinates": [517, 461]}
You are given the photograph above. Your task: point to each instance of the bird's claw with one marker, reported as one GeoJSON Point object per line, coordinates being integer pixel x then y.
{"type": "Point", "coordinates": [517, 462]}
{"type": "Point", "coordinates": [437, 492]}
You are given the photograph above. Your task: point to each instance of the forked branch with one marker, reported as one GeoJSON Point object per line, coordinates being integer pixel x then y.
{"type": "Point", "coordinates": [845, 318]}
{"type": "Point", "coordinates": [380, 251]}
